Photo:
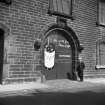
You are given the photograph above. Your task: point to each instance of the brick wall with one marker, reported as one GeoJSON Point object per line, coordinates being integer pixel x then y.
{"type": "Point", "coordinates": [84, 24]}
{"type": "Point", "coordinates": [85, 14]}
{"type": "Point", "coordinates": [26, 19]}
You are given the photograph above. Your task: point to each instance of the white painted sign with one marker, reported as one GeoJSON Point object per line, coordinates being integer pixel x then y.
{"type": "Point", "coordinates": [49, 58]}
{"type": "Point", "coordinates": [68, 56]}
{"type": "Point", "coordinates": [59, 42]}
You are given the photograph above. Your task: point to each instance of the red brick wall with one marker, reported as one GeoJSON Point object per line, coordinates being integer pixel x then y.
{"type": "Point", "coordinates": [26, 19]}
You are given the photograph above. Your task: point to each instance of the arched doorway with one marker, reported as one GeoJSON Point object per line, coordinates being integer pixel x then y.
{"type": "Point", "coordinates": [65, 54]}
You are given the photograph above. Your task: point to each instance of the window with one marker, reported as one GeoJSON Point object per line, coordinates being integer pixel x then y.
{"type": "Point", "coordinates": [100, 54]}
{"type": "Point", "coordinates": [60, 8]}
{"type": "Point", "coordinates": [101, 12]}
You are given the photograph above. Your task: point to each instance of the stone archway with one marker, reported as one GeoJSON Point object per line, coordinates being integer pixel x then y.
{"type": "Point", "coordinates": [67, 35]}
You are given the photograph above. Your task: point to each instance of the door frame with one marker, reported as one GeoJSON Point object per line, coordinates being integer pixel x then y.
{"type": "Point", "coordinates": [73, 41]}
{"type": "Point", "coordinates": [54, 69]}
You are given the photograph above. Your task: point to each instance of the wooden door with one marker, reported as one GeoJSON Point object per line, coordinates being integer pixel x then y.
{"type": "Point", "coordinates": [63, 57]}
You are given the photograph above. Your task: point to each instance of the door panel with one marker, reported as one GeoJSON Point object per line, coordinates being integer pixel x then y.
{"type": "Point", "coordinates": [50, 74]}
{"type": "Point", "coordinates": [63, 69]}
{"type": "Point", "coordinates": [63, 57]}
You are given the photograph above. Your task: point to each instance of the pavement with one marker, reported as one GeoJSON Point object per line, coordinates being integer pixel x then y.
{"type": "Point", "coordinates": [66, 85]}
{"type": "Point", "coordinates": [49, 84]}
{"type": "Point", "coordinates": [53, 86]}
{"type": "Point", "coordinates": [22, 86]}
{"type": "Point", "coordinates": [20, 89]}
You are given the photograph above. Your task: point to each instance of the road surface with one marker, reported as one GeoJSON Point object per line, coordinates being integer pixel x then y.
{"type": "Point", "coordinates": [59, 93]}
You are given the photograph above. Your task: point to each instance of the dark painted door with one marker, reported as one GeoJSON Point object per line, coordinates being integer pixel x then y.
{"type": "Point", "coordinates": [1, 53]}
{"type": "Point", "coordinates": [63, 57]}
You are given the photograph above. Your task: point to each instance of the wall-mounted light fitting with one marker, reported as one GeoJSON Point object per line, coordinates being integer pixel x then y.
{"type": "Point", "coordinates": [37, 45]}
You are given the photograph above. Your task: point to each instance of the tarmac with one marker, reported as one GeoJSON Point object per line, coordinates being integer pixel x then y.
{"type": "Point", "coordinates": [55, 92]}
